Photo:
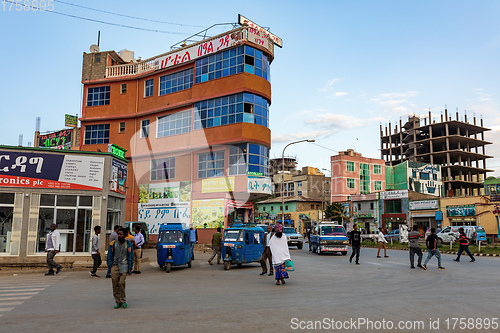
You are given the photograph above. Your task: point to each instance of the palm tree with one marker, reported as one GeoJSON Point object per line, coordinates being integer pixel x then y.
{"type": "Point", "coordinates": [336, 211]}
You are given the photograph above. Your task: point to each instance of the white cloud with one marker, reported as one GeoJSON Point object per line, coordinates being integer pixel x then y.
{"type": "Point", "coordinates": [341, 93]}
{"type": "Point", "coordinates": [329, 89]}
{"type": "Point", "coordinates": [481, 96]}
{"type": "Point", "coordinates": [397, 103]}
{"type": "Point", "coordinates": [336, 122]}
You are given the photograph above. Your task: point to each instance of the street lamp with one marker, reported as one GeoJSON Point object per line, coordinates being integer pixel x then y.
{"type": "Point", "coordinates": [323, 189]}
{"type": "Point", "coordinates": [283, 178]}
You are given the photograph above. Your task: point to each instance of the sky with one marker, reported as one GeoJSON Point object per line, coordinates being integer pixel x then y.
{"type": "Point", "coordinates": [346, 67]}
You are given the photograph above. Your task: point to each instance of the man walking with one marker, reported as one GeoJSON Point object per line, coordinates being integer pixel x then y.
{"type": "Point", "coordinates": [216, 246]}
{"type": "Point", "coordinates": [413, 237]}
{"type": "Point", "coordinates": [52, 248]}
{"type": "Point", "coordinates": [381, 243]}
{"type": "Point", "coordinates": [120, 258]}
{"type": "Point", "coordinates": [432, 249]}
{"type": "Point", "coordinates": [193, 237]}
{"type": "Point", "coordinates": [112, 237]}
{"type": "Point", "coordinates": [139, 241]}
{"type": "Point", "coordinates": [355, 242]}
{"type": "Point", "coordinates": [96, 255]}
{"type": "Point", "coordinates": [463, 245]}
{"type": "Point", "coordinates": [266, 253]}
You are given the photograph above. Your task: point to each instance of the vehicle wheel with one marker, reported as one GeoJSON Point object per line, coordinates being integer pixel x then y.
{"type": "Point", "coordinates": [318, 251]}
{"type": "Point", "coordinates": [169, 267]}
{"type": "Point", "coordinates": [190, 263]}
{"type": "Point", "coordinates": [227, 265]}
{"type": "Point", "coordinates": [344, 253]}
{"type": "Point", "coordinates": [314, 249]}
{"type": "Point", "coordinates": [239, 265]}
{"type": "Point", "coordinates": [300, 246]}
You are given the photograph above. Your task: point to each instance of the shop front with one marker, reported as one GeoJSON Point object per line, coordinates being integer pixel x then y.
{"type": "Point", "coordinates": [423, 213]}
{"type": "Point", "coordinates": [72, 189]}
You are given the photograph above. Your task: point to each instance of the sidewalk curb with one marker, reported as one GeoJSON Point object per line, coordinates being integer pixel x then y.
{"type": "Point", "coordinates": [445, 252]}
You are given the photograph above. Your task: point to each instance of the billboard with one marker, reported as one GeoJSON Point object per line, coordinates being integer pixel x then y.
{"type": "Point", "coordinates": [70, 120]}
{"type": "Point", "coordinates": [208, 213]}
{"type": "Point", "coordinates": [118, 176]}
{"type": "Point", "coordinates": [41, 170]}
{"type": "Point", "coordinates": [56, 140]}
{"type": "Point", "coordinates": [258, 29]}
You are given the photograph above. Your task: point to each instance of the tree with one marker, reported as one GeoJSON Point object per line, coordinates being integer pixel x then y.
{"type": "Point", "coordinates": [336, 211]}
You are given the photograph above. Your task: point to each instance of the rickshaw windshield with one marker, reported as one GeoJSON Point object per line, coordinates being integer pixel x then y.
{"type": "Point", "coordinates": [233, 235]}
{"type": "Point", "coordinates": [170, 236]}
{"type": "Point", "coordinates": [332, 231]}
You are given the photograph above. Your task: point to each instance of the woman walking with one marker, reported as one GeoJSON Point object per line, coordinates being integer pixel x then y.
{"type": "Point", "coordinates": [279, 251]}
{"type": "Point", "coordinates": [381, 243]}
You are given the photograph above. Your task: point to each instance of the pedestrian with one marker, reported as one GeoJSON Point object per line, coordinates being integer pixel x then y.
{"type": "Point", "coordinates": [96, 255]}
{"type": "Point", "coordinates": [193, 237]}
{"type": "Point", "coordinates": [216, 246]}
{"type": "Point", "coordinates": [52, 248]}
{"type": "Point", "coordinates": [432, 249]}
{"type": "Point", "coordinates": [413, 237]}
{"type": "Point", "coordinates": [120, 258]}
{"type": "Point", "coordinates": [112, 237]}
{"type": "Point", "coordinates": [355, 242]}
{"type": "Point", "coordinates": [266, 252]}
{"type": "Point", "coordinates": [139, 241]}
{"type": "Point", "coordinates": [280, 253]}
{"type": "Point", "coordinates": [381, 243]}
{"type": "Point", "coordinates": [463, 245]}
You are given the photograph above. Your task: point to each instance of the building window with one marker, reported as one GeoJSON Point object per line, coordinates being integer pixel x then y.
{"type": "Point", "coordinates": [434, 176]}
{"type": "Point", "coordinates": [291, 187]}
{"type": "Point", "coordinates": [6, 215]}
{"type": "Point", "coordinates": [424, 176]}
{"type": "Point", "coordinates": [364, 178]}
{"type": "Point", "coordinates": [145, 128]}
{"type": "Point", "coordinates": [312, 206]}
{"type": "Point", "coordinates": [350, 166]}
{"type": "Point", "coordinates": [263, 209]}
{"type": "Point", "coordinates": [258, 159]}
{"type": "Point", "coordinates": [299, 192]}
{"type": "Point", "coordinates": [176, 123]}
{"type": "Point", "coordinates": [163, 168]}
{"type": "Point", "coordinates": [378, 185]}
{"type": "Point", "coordinates": [359, 206]}
{"type": "Point", "coordinates": [350, 183]}
{"type": "Point", "coordinates": [148, 88]}
{"type": "Point", "coordinates": [286, 207]}
{"type": "Point", "coordinates": [371, 205]}
{"type": "Point", "coordinates": [211, 164]}
{"type": "Point", "coordinates": [121, 127]}
{"type": "Point", "coordinates": [123, 88]}
{"type": "Point", "coordinates": [95, 134]}
{"type": "Point", "coordinates": [98, 57]}
{"type": "Point", "coordinates": [377, 169]}
{"type": "Point", "coordinates": [299, 184]}
{"type": "Point", "coordinates": [232, 61]}
{"type": "Point", "coordinates": [176, 81]}
{"type": "Point", "coordinates": [238, 159]}
{"type": "Point", "coordinates": [242, 107]}
{"type": "Point", "coordinates": [393, 206]}
{"type": "Point", "coordinates": [272, 208]}
{"type": "Point", "coordinates": [98, 96]}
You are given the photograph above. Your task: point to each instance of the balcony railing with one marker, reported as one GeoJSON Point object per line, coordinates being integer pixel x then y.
{"type": "Point", "coordinates": [131, 69]}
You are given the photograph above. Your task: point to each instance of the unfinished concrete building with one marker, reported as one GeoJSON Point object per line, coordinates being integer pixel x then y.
{"type": "Point", "coordinates": [458, 146]}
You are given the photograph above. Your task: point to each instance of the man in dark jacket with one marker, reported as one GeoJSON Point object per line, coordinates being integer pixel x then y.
{"type": "Point", "coordinates": [413, 237]}
{"type": "Point", "coordinates": [463, 246]}
{"type": "Point", "coordinates": [121, 259]}
{"type": "Point", "coordinates": [355, 242]}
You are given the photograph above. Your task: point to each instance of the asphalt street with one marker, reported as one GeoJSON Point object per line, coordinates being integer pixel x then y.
{"type": "Point", "coordinates": [206, 298]}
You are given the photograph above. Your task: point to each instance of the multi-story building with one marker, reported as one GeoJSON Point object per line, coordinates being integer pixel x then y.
{"type": "Point", "coordinates": [351, 174]}
{"type": "Point", "coordinates": [194, 122]}
{"type": "Point", "coordinates": [458, 146]}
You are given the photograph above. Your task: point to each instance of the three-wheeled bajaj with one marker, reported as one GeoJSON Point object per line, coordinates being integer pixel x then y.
{"type": "Point", "coordinates": [242, 244]}
{"type": "Point", "coordinates": [174, 248]}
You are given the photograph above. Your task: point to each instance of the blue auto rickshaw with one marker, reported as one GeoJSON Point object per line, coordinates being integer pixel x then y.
{"type": "Point", "coordinates": [242, 244]}
{"type": "Point", "coordinates": [174, 248]}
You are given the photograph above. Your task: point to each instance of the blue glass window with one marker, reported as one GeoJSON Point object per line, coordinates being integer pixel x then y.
{"type": "Point", "coordinates": [176, 81]}
{"type": "Point", "coordinates": [98, 96]}
{"type": "Point", "coordinates": [211, 164]}
{"type": "Point", "coordinates": [148, 88]}
{"type": "Point", "coordinates": [176, 123]}
{"type": "Point", "coordinates": [249, 157]}
{"type": "Point", "coordinates": [242, 107]}
{"type": "Point", "coordinates": [95, 134]}
{"type": "Point", "coordinates": [232, 61]}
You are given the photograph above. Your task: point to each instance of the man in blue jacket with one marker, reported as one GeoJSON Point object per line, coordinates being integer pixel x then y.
{"type": "Point", "coordinates": [120, 259]}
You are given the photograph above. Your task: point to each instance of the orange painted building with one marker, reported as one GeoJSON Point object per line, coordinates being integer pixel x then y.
{"type": "Point", "coordinates": [194, 123]}
{"type": "Point", "coordinates": [354, 174]}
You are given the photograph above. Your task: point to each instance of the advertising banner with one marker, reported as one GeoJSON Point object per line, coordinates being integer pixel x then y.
{"type": "Point", "coordinates": [163, 203]}
{"type": "Point", "coordinates": [423, 204]}
{"type": "Point", "coordinates": [70, 120]}
{"type": "Point", "coordinates": [399, 194]}
{"type": "Point", "coordinates": [217, 185]}
{"type": "Point", "coordinates": [118, 176]}
{"type": "Point", "coordinates": [468, 210]}
{"type": "Point", "coordinates": [208, 213]}
{"type": "Point", "coordinates": [259, 185]}
{"type": "Point", "coordinates": [56, 140]}
{"type": "Point", "coordinates": [40, 170]}
{"type": "Point", "coordinates": [244, 21]}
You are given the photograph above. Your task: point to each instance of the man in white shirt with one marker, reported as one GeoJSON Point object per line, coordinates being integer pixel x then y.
{"type": "Point", "coordinates": [96, 255]}
{"type": "Point", "coordinates": [139, 241]}
{"type": "Point", "coordinates": [52, 248]}
{"type": "Point", "coordinates": [266, 253]}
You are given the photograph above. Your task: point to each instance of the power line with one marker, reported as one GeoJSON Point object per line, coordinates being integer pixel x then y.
{"type": "Point", "coordinates": [134, 17]}
{"type": "Point", "coordinates": [336, 151]}
{"type": "Point", "coordinates": [103, 22]}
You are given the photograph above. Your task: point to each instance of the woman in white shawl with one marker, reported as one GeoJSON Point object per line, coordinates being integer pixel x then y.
{"type": "Point", "coordinates": [279, 251]}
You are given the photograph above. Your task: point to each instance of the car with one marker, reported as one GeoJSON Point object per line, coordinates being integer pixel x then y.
{"type": "Point", "coordinates": [294, 238]}
{"type": "Point", "coordinates": [393, 235]}
{"type": "Point", "coordinates": [448, 235]}
{"type": "Point", "coordinates": [328, 237]}
{"type": "Point", "coordinates": [480, 233]}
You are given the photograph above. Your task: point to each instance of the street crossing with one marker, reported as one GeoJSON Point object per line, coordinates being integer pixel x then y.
{"type": "Point", "coordinates": [17, 289]}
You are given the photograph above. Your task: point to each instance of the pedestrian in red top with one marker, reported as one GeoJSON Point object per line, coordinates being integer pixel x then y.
{"type": "Point", "coordinates": [463, 246]}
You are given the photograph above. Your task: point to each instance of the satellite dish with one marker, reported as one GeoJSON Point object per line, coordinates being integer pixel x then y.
{"type": "Point", "coordinates": [94, 48]}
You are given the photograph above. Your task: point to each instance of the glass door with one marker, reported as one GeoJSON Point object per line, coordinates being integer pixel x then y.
{"type": "Point", "coordinates": [83, 230]}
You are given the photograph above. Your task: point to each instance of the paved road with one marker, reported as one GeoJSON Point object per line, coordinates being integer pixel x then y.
{"type": "Point", "coordinates": [207, 298]}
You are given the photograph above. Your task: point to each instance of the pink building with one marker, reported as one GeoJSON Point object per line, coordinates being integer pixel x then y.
{"type": "Point", "coordinates": [354, 174]}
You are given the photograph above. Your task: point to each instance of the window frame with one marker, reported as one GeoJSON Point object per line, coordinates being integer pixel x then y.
{"type": "Point", "coordinates": [351, 181]}
{"type": "Point", "coordinates": [169, 169]}
{"type": "Point", "coordinates": [89, 129]}
{"type": "Point", "coordinates": [149, 89]}
{"type": "Point", "coordinates": [145, 128]}
{"type": "Point", "coordinates": [98, 92]}
{"type": "Point", "coordinates": [211, 158]}
{"type": "Point", "coordinates": [348, 165]}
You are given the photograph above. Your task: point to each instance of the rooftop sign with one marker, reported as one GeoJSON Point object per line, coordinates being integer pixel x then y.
{"type": "Point", "coordinates": [116, 150]}
{"type": "Point", "coordinates": [244, 21]}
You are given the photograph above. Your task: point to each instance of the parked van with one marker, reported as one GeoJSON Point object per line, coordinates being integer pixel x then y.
{"type": "Point", "coordinates": [451, 233]}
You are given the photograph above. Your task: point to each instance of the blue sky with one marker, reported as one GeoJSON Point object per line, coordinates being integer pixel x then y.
{"type": "Point", "coordinates": [345, 67]}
